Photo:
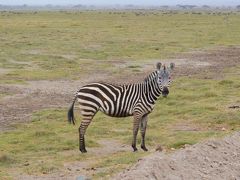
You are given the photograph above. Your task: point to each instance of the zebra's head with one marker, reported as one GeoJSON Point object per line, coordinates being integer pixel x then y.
{"type": "Point", "coordinates": [164, 77]}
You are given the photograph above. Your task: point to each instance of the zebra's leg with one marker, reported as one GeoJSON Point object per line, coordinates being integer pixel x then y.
{"type": "Point", "coordinates": [82, 129]}
{"type": "Point", "coordinates": [143, 131]}
{"type": "Point", "coordinates": [136, 122]}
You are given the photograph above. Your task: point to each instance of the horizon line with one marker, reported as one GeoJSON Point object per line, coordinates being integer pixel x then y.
{"type": "Point", "coordinates": [97, 5]}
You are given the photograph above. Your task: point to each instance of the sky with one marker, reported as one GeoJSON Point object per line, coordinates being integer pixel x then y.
{"type": "Point", "coordinates": [122, 2]}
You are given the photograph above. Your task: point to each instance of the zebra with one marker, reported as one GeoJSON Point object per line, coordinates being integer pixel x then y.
{"type": "Point", "coordinates": [135, 100]}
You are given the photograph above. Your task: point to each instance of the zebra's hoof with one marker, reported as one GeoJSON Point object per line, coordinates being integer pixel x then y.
{"type": "Point", "coordinates": [144, 148]}
{"type": "Point", "coordinates": [83, 150]}
{"type": "Point", "coordinates": [135, 149]}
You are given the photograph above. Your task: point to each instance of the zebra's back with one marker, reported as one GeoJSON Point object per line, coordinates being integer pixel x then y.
{"type": "Point", "coordinates": [113, 100]}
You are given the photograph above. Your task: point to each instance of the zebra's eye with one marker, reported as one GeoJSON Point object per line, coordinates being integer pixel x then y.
{"type": "Point", "coordinates": [169, 77]}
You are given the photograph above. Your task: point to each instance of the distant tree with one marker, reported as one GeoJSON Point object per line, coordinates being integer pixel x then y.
{"type": "Point", "coordinates": [238, 6]}
{"type": "Point", "coordinates": [205, 6]}
{"type": "Point", "coordinates": [186, 6]}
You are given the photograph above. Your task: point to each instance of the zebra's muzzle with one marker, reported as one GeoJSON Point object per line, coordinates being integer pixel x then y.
{"type": "Point", "coordinates": [165, 92]}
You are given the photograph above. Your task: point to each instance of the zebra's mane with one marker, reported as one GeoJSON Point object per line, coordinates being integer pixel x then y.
{"type": "Point", "coordinates": [151, 76]}
{"type": "Point", "coordinates": [117, 84]}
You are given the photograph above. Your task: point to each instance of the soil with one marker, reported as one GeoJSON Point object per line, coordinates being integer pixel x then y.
{"type": "Point", "coordinates": [213, 159]}
{"type": "Point", "coordinates": [21, 101]}
{"type": "Point", "coordinates": [209, 64]}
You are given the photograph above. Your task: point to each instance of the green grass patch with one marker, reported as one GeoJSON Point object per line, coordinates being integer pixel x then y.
{"type": "Point", "coordinates": [3, 94]}
{"type": "Point", "coordinates": [181, 144]}
{"type": "Point", "coordinates": [6, 159]}
{"type": "Point", "coordinates": [8, 80]}
{"type": "Point", "coordinates": [116, 163]}
{"type": "Point", "coordinates": [55, 45]}
{"type": "Point", "coordinates": [226, 82]}
{"type": "Point", "coordinates": [39, 143]}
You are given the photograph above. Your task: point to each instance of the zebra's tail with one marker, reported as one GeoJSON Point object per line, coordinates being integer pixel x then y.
{"type": "Point", "coordinates": [71, 118]}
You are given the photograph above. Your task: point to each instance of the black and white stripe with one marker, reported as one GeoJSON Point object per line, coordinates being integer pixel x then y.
{"type": "Point", "coordinates": [119, 101]}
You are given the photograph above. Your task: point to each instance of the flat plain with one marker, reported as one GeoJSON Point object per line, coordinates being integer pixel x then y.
{"type": "Point", "coordinates": [46, 56]}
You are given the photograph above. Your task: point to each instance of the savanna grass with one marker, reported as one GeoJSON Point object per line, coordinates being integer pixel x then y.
{"type": "Point", "coordinates": [196, 109]}
{"type": "Point", "coordinates": [55, 45]}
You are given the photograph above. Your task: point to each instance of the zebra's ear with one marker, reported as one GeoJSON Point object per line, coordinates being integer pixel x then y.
{"type": "Point", "coordinates": [159, 65]}
{"type": "Point", "coordinates": [172, 65]}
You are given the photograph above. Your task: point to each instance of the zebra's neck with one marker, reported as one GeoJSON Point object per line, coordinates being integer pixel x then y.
{"type": "Point", "coordinates": [152, 90]}
{"type": "Point", "coordinates": [151, 76]}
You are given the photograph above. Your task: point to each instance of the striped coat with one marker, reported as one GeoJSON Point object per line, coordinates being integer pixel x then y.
{"type": "Point", "coordinates": [118, 101]}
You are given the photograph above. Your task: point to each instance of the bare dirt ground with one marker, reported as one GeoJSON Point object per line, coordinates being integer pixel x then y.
{"type": "Point", "coordinates": [23, 100]}
{"type": "Point", "coordinates": [213, 159]}
{"type": "Point", "coordinates": [34, 96]}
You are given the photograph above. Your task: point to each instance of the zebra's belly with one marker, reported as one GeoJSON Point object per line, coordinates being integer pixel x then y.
{"type": "Point", "coordinates": [117, 113]}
